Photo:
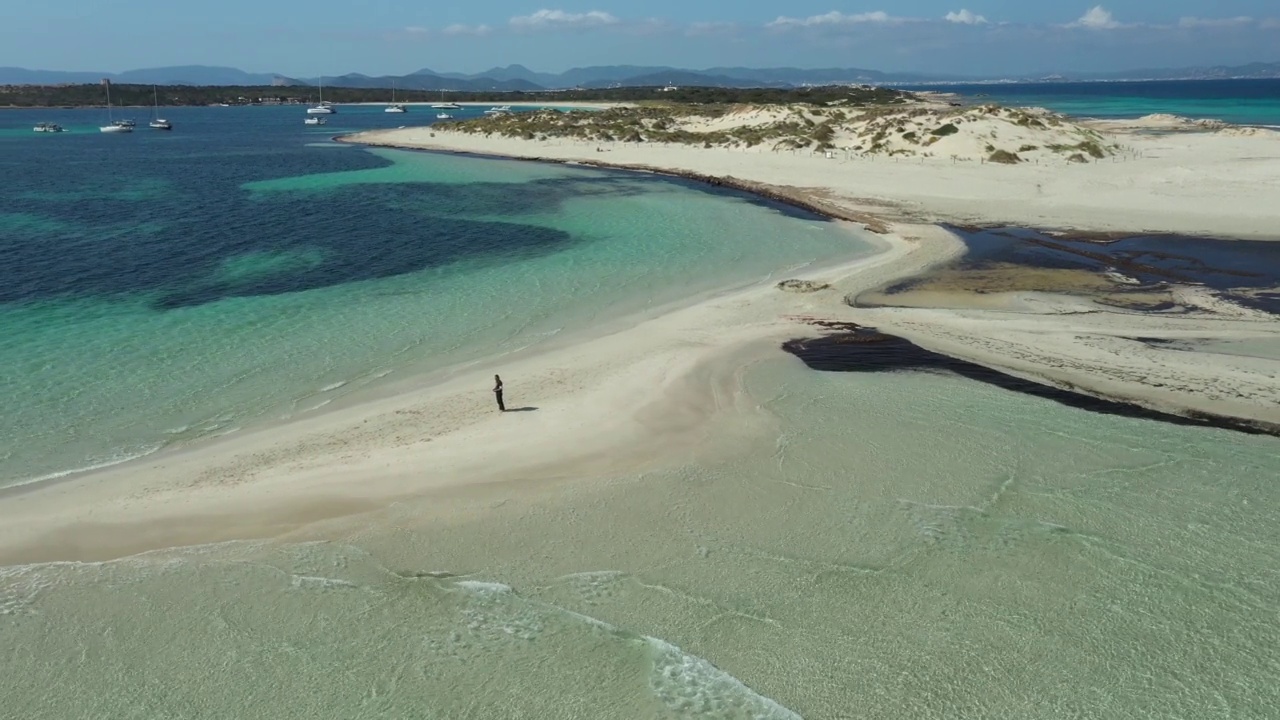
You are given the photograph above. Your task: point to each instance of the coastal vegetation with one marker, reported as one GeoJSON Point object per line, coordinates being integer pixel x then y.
{"type": "Point", "coordinates": [89, 95]}
{"type": "Point", "coordinates": [913, 126]}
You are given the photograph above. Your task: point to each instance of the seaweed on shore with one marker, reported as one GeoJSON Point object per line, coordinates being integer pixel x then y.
{"type": "Point", "coordinates": [850, 347]}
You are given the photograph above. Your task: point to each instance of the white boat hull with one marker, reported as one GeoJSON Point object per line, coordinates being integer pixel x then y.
{"type": "Point", "coordinates": [394, 110]}
{"type": "Point", "coordinates": [116, 129]}
{"type": "Point", "coordinates": [319, 111]}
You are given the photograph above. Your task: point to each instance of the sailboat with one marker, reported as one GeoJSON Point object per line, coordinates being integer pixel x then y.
{"type": "Point", "coordinates": [394, 107]}
{"type": "Point", "coordinates": [114, 126]}
{"type": "Point", "coordinates": [442, 105]}
{"type": "Point", "coordinates": [323, 108]}
{"type": "Point", "coordinates": [158, 122]}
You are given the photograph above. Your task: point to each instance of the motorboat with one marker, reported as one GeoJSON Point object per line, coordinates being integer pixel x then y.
{"type": "Point", "coordinates": [499, 110]}
{"type": "Point", "coordinates": [314, 121]}
{"type": "Point", "coordinates": [48, 128]}
{"type": "Point", "coordinates": [444, 116]}
{"type": "Point", "coordinates": [161, 124]}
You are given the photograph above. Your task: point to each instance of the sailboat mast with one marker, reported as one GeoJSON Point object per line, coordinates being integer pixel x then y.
{"type": "Point", "coordinates": [108, 101]}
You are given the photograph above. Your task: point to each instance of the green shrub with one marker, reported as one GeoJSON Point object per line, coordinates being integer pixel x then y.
{"type": "Point", "coordinates": [1026, 148]}
{"type": "Point", "coordinates": [945, 130]}
{"type": "Point", "coordinates": [1004, 157]}
{"type": "Point", "coordinates": [1093, 148]}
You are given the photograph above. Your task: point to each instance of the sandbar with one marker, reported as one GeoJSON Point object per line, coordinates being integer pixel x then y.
{"type": "Point", "coordinates": [666, 388]}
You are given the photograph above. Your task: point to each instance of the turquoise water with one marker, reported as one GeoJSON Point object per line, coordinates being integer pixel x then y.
{"type": "Point", "coordinates": [896, 545]}
{"type": "Point", "coordinates": [187, 288]}
{"type": "Point", "coordinates": [889, 547]}
{"type": "Point", "coordinates": [1242, 102]}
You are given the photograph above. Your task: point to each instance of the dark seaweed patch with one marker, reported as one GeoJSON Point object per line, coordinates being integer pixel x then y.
{"type": "Point", "coordinates": [854, 348]}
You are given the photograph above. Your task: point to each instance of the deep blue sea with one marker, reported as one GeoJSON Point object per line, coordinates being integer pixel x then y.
{"type": "Point", "coordinates": [1243, 102]}
{"type": "Point", "coordinates": [161, 287]}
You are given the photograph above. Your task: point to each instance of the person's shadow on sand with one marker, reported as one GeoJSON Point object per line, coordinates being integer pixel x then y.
{"type": "Point", "coordinates": [523, 409]}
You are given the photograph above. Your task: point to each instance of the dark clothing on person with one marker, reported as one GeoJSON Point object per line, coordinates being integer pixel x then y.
{"type": "Point", "coordinates": [497, 393]}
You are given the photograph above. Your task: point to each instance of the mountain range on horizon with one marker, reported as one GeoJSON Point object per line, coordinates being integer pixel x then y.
{"type": "Point", "coordinates": [520, 78]}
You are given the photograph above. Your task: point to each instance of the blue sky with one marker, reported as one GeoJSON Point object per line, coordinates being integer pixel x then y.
{"type": "Point", "coordinates": [399, 36]}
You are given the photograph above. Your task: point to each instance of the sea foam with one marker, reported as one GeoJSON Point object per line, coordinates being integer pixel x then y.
{"type": "Point", "coordinates": [687, 685]}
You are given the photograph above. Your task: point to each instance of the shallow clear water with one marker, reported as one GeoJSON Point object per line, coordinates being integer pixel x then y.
{"type": "Point", "coordinates": [160, 288]}
{"type": "Point", "coordinates": [889, 545]}
{"type": "Point", "coordinates": [1243, 102]}
{"type": "Point", "coordinates": [898, 546]}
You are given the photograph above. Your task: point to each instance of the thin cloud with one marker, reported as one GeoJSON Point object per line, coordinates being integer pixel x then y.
{"type": "Point", "coordinates": [1195, 22]}
{"type": "Point", "coordinates": [472, 30]}
{"type": "Point", "coordinates": [551, 19]}
{"type": "Point", "coordinates": [1270, 24]}
{"type": "Point", "coordinates": [1096, 18]}
{"type": "Point", "coordinates": [416, 30]}
{"type": "Point", "coordinates": [835, 18]}
{"type": "Point", "coordinates": [964, 17]}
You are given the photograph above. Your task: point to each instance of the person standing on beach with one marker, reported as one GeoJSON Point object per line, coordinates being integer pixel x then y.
{"type": "Point", "coordinates": [497, 392]}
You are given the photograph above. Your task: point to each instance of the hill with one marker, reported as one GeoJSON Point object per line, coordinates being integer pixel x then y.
{"type": "Point", "coordinates": [521, 78]}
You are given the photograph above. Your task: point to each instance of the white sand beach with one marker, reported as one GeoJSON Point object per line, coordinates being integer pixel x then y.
{"type": "Point", "coordinates": [568, 104]}
{"type": "Point", "coordinates": [1208, 183]}
{"type": "Point", "coordinates": [606, 401]}
{"type": "Point", "coordinates": [679, 519]}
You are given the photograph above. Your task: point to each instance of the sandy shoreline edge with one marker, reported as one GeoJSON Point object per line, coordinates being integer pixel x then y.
{"type": "Point", "coordinates": [1037, 336]}
{"type": "Point", "coordinates": [675, 374]}
{"type": "Point", "coordinates": [678, 371]}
